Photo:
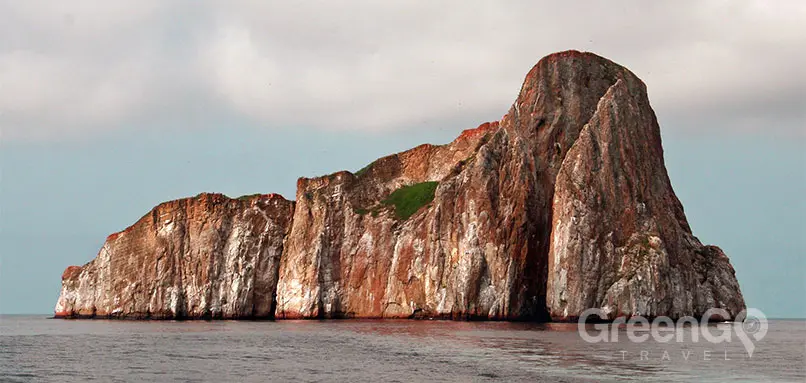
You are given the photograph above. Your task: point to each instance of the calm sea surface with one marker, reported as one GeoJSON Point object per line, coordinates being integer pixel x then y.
{"type": "Point", "coordinates": [37, 349]}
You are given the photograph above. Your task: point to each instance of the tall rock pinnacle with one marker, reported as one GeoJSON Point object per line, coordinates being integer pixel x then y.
{"type": "Point", "coordinates": [562, 205]}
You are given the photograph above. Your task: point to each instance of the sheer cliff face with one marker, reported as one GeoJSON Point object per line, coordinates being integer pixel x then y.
{"type": "Point", "coordinates": [208, 256]}
{"type": "Point", "coordinates": [561, 206]}
{"type": "Point", "coordinates": [620, 240]}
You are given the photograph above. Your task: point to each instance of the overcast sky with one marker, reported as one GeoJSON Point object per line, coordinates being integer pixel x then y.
{"type": "Point", "coordinates": [75, 68]}
{"type": "Point", "coordinates": [108, 108]}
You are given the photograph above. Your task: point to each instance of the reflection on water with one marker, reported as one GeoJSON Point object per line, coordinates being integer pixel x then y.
{"type": "Point", "coordinates": [39, 349]}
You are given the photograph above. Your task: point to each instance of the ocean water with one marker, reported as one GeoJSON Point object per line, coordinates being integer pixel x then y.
{"type": "Point", "coordinates": [38, 349]}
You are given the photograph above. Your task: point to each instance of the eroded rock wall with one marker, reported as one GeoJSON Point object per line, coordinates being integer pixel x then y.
{"type": "Point", "coordinates": [620, 240]}
{"type": "Point", "coordinates": [203, 257]}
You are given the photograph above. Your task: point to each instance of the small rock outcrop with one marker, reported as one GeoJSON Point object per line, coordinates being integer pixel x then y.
{"type": "Point", "coordinates": [562, 205]}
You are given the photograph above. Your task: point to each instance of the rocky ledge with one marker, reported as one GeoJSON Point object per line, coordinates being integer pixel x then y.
{"type": "Point", "coordinates": [562, 205]}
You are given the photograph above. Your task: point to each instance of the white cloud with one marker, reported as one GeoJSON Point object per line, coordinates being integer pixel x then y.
{"type": "Point", "coordinates": [43, 92]}
{"type": "Point", "coordinates": [78, 67]}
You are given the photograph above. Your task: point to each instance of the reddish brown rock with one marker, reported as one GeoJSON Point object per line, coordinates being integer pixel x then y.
{"type": "Point", "coordinates": [208, 256]}
{"type": "Point", "coordinates": [562, 205]}
{"type": "Point", "coordinates": [620, 240]}
{"type": "Point", "coordinates": [71, 272]}
{"type": "Point", "coordinates": [348, 255]}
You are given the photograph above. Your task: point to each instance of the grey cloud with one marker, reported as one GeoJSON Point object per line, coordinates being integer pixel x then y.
{"type": "Point", "coordinates": [85, 66]}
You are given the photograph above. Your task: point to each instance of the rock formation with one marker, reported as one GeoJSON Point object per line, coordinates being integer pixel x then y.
{"type": "Point", "coordinates": [203, 257]}
{"type": "Point", "coordinates": [562, 205]}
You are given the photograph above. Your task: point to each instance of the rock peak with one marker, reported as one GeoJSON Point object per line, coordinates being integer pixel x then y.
{"type": "Point", "coordinates": [572, 53]}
